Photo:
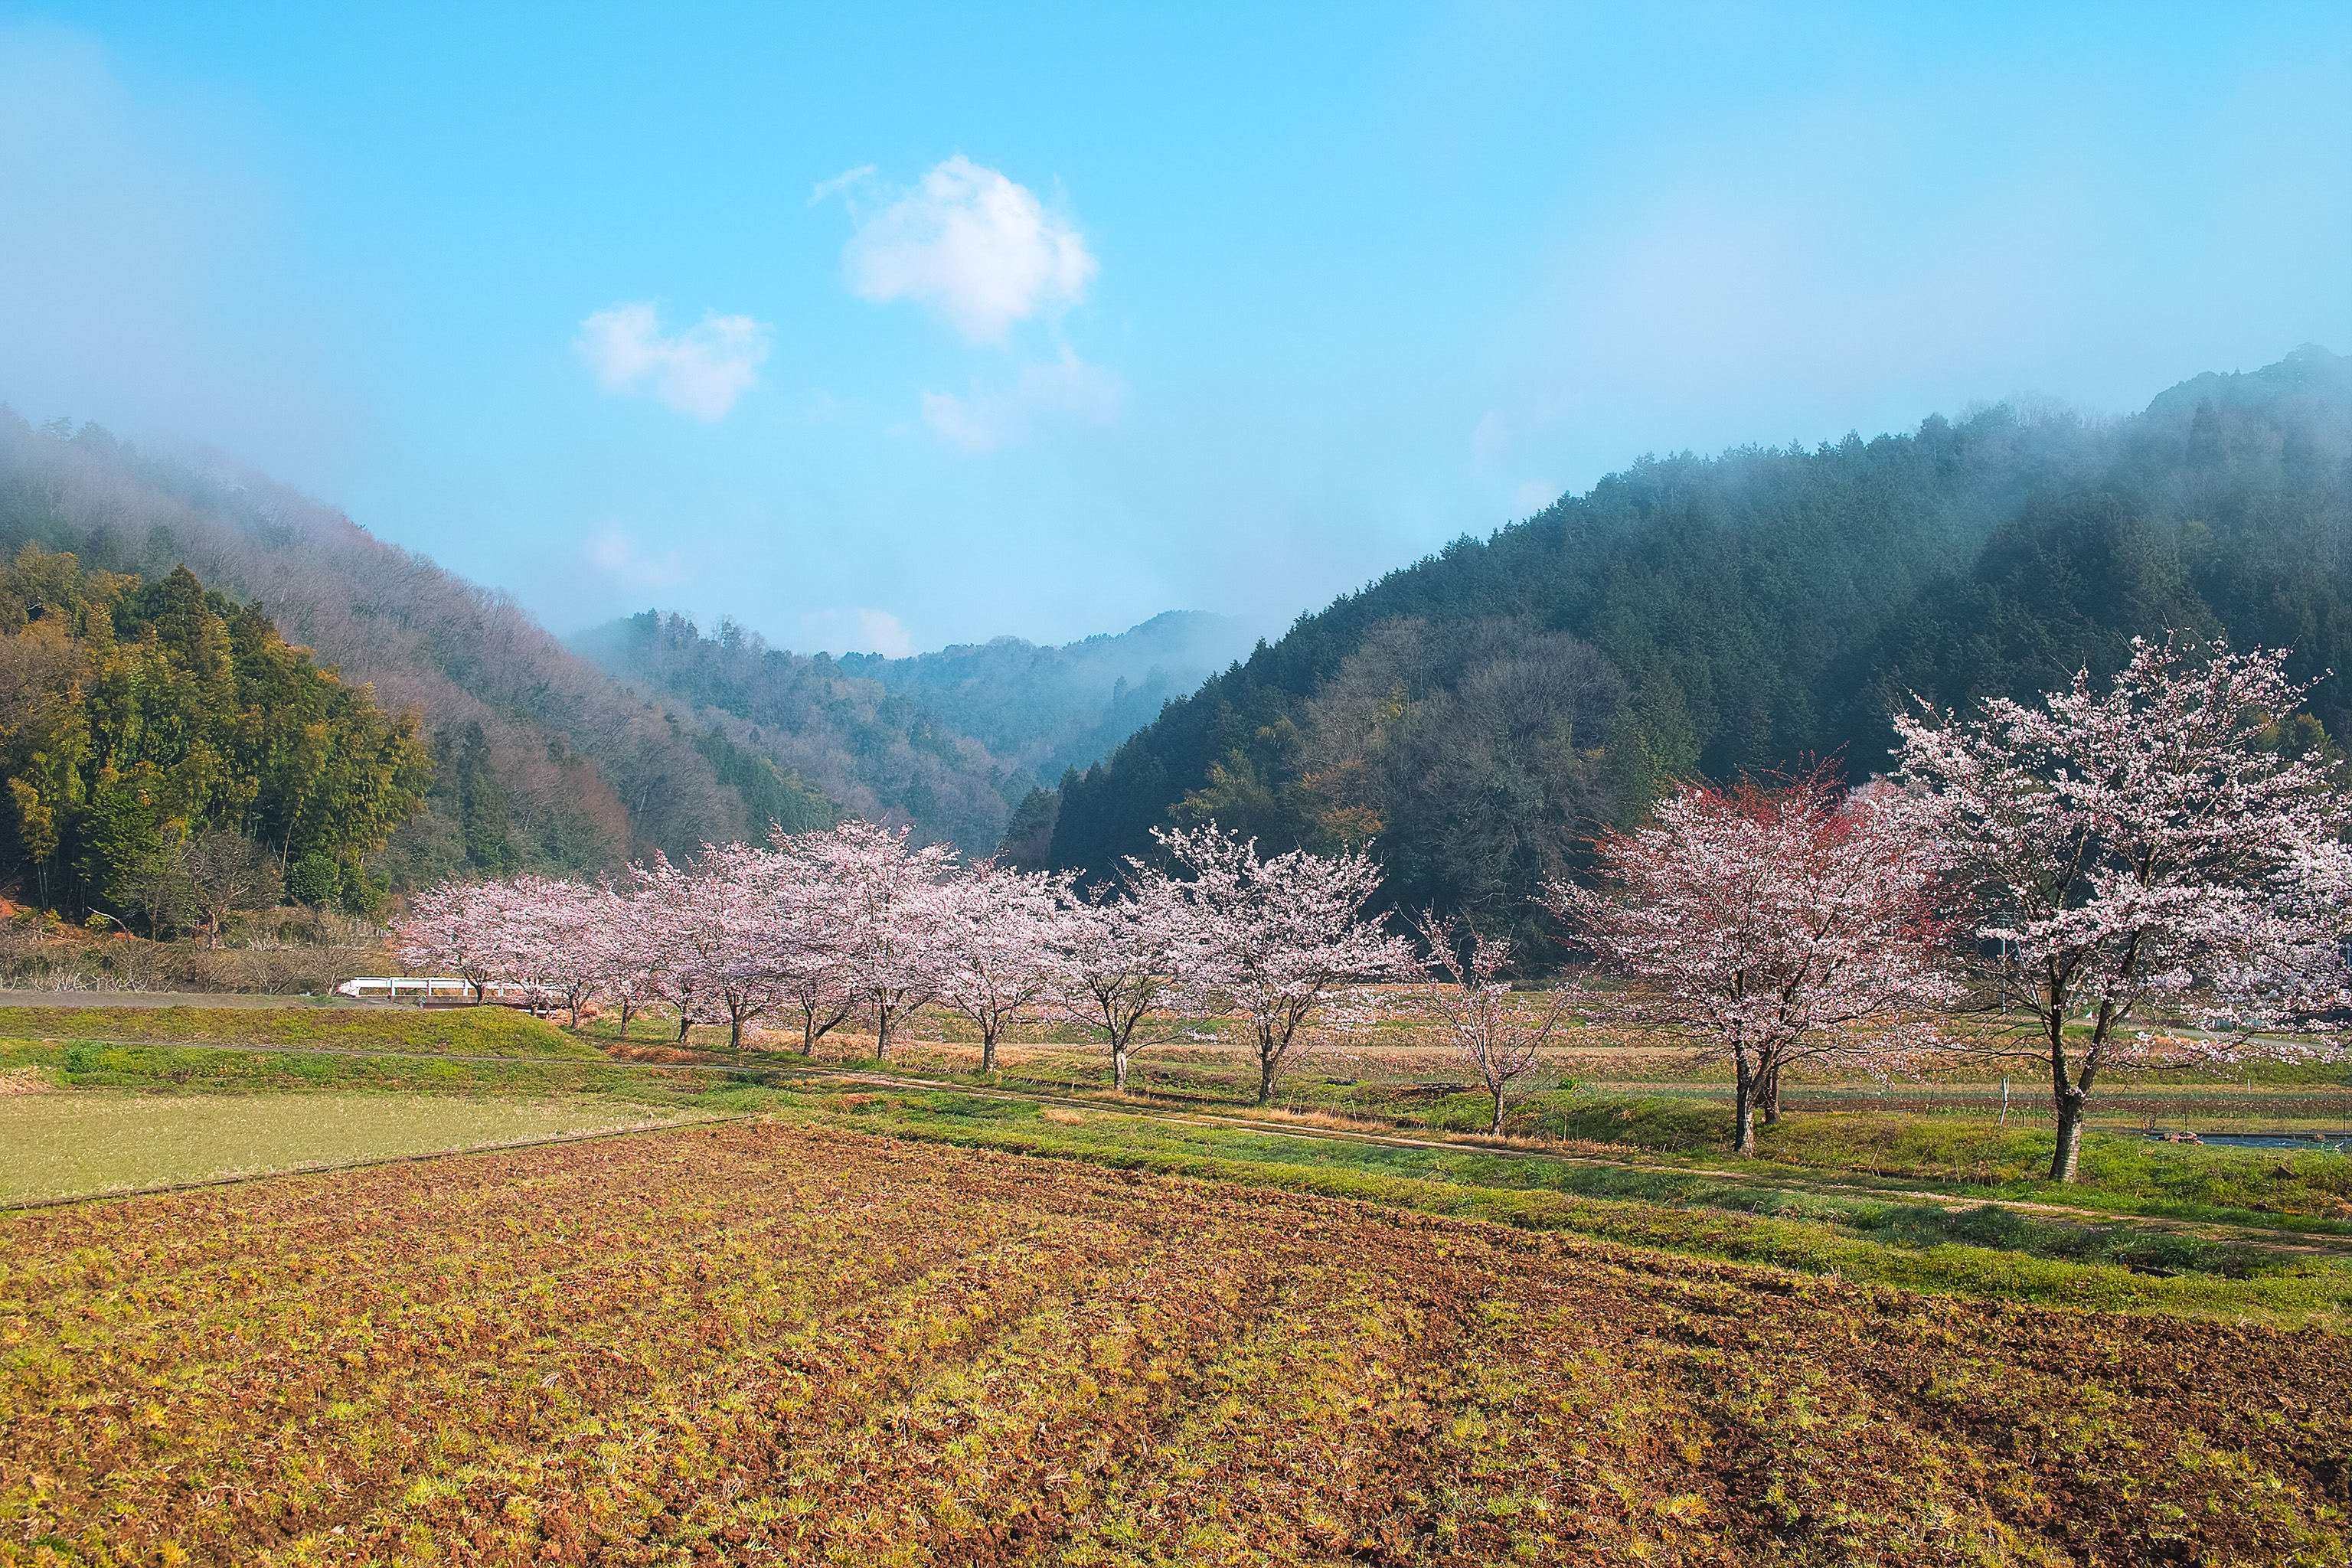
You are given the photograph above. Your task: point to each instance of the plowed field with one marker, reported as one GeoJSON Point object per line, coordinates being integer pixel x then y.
{"type": "Point", "coordinates": [756, 1343]}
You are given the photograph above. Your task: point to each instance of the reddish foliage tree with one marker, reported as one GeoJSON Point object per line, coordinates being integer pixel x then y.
{"type": "Point", "coordinates": [1772, 926]}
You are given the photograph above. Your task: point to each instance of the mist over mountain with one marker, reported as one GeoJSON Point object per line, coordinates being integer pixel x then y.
{"type": "Point", "coordinates": [1477, 713]}
{"type": "Point", "coordinates": [953, 740]}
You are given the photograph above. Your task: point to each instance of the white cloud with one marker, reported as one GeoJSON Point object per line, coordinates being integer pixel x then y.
{"type": "Point", "coordinates": [701, 371]}
{"type": "Point", "coordinates": [612, 552]}
{"type": "Point", "coordinates": [971, 245]}
{"type": "Point", "coordinates": [988, 419]}
{"type": "Point", "coordinates": [856, 630]}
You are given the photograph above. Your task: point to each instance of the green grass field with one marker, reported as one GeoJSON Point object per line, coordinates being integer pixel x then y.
{"type": "Point", "coordinates": [64, 1144]}
{"type": "Point", "coordinates": [454, 1031]}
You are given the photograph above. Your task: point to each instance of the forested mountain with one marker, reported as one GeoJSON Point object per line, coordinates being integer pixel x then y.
{"type": "Point", "coordinates": [136, 721]}
{"type": "Point", "coordinates": [953, 740]}
{"type": "Point", "coordinates": [1479, 712]}
{"type": "Point", "coordinates": [538, 760]}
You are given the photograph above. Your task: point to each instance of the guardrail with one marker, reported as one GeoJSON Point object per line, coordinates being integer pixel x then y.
{"type": "Point", "coordinates": [439, 990]}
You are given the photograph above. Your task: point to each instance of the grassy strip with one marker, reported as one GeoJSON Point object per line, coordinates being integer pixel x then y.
{"type": "Point", "coordinates": [1510, 1193]}
{"type": "Point", "coordinates": [456, 1031]}
{"type": "Point", "coordinates": [2309, 1190]}
{"type": "Point", "coordinates": [220, 1069]}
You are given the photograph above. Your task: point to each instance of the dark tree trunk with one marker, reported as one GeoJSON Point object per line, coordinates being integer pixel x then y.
{"type": "Point", "coordinates": [1496, 1130]}
{"type": "Point", "coordinates": [1743, 1104]}
{"type": "Point", "coordinates": [988, 1050]}
{"type": "Point", "coordinates": [2069, 1097]}
{"type": "Point", "coordinates": [1767, 1094]}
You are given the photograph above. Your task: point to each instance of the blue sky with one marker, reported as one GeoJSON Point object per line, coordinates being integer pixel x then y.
{"type": "Point", "coordinates": [887, 327]}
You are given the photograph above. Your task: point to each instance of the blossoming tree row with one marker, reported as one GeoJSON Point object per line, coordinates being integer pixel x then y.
{"type": "Point", "coordinates": [2110, 852]}
{"type": "Point", "coordinates": [858, 923]}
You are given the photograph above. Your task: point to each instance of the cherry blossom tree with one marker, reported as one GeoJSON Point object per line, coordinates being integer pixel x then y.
{"type": "Point", "coordinates": [1771, 926]}
{"type": "Point", "coordinates": [1118, 958]}
{"type": "Point", "coordinates": [618, 946]}
{"type": "Point", "coordinates": [997, 933]}
{"type": "Point", "coordinates": [1278, 941]}
{"type": "Point", "coordinates": [677, 958]}
{"type": "Point", "coordinates": [554, 930]}
{"type": "Point", "coordinates": [436, 934]}
{"type": "Point", "coordinates": [894, 910]}
{"type": "Point", "coordinates": [463, 928]}
{"type": "Point", "coordinates": [816, 939]}
{"type": "Point", "coordinates": [1500, 1040]}
{"type": "Point", "coordinates": [2139, 846]}
{"type": "Point", "coordinates": [727, 927]}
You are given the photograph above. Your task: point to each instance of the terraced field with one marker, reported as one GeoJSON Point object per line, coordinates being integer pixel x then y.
{"type": "Point", "coordinates": [758, 1342]}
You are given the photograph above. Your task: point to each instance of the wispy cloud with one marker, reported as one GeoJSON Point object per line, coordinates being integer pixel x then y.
{"type": "Point", "coordinates": [698, 372]}
{"type": "Point", "coordinates": [840, 183]}
{"type": "Point", "coordinates": [986, 419]}
{"type": "Point", "coordinates": [972, 245]}
{"type": "Point", "coordinates": [857, 630]}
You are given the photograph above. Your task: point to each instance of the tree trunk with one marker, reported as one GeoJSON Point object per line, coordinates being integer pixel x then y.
{"type": "Point", "coordinates": [2067, 1098]}
{"type": "Point", "coordinates": [1118, 1067]}
{"type": "Point", "coordinates": [735, 1037]}
{"type": "Point", "coordinates": [988, 1050]}
{"type": "Point", "coordinates": [684, 1024]}
{"type": "Point", "coordinates": [882, 1034]}
{"type": "Point", "coordinates": [627, 1007]}
{"type": "Point", "coordinates": [1265, 1077]}
{"type": "Point", "coordinates": [1496, 1130]}
{"type": "Point", "coordinates": [808, 1034]}
{"type": "Point", "coordinates": [1767, 1094]}
{"type": "Point", "coordinates": [1744, 1106]}
{"type": "Point", "coordinates": [2068, 1154]}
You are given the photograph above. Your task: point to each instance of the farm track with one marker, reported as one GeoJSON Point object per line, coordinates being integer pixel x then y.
{"type": "Point", "coordinates": [778, 1344]}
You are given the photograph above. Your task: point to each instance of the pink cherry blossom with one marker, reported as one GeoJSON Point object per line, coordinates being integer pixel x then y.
{"type": "Point", "coordinates": [1276, 941]}
{"type": "Point", "coordinates": [2138, 848]}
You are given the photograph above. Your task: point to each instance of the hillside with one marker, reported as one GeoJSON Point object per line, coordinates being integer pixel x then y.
{"type": "Point", "coordinates": [539, 759]}
{"type": "Point", "coordinates": [1478, 712]}
{"type": "Point", "coordinates": [953, 740]}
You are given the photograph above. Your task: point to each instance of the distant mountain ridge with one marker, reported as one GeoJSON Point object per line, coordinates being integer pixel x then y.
{"type": "Point", "coordinates": [952, 741]}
